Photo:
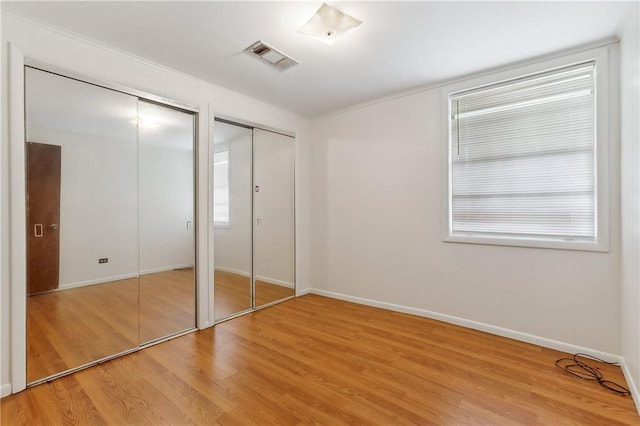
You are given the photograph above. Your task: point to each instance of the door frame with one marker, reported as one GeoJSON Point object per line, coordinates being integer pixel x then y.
{"type": "Point", "coordinates": [202, 163]}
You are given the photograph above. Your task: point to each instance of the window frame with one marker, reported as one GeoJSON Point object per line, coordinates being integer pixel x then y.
{"type": "Point", "coordinates": [227, 223]}
{"type": "Point", "coordinates": [602, 147]}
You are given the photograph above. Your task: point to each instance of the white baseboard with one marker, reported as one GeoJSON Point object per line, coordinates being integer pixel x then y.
{"type": "Point", "coordinates": [274, 281]}
{"type": "Point", "coordinates": [631, 384]}
{"type": "Point", "coordinates": [303, 291]}
{"type": "Point", "coordinates": [258, 277]}
{"type": "Point", "coordinates": [121, 277]}
{"type": "Point", "coordinates": [97, 281]}
{"type": "Point", "coordinates": [499, 331]}
{"type": "Point", "coordinates": [5, 390]}
{"type": "Point", "coordinates": [165, 269]}
{"type": "Point", "coordinates": [232, 271]}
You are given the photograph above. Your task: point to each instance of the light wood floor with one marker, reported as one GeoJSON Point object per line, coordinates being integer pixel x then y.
{"type": "Point", "coordinates": [69, 328]}
{"type": "Point", "coordinates": [233, 293]}
{"type": "Point", "coordinates": [319, 360]}
{"type": "Point", "coordinates": [167, 303]}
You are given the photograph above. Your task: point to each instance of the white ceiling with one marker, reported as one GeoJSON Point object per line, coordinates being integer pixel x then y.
{"type": "Point", "coordinates": [399, 46]}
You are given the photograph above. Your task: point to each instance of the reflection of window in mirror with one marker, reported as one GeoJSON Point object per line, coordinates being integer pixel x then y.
{"type": "Point", "coordinates": [221, 188]}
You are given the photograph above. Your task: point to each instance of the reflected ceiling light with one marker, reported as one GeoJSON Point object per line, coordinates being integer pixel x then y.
{"type": "Point", "coordinates": [272, 55]}
{"type": "Point", "coordinates": [328, 24]}
{"type": "Point", "coordinates": [145, 122]}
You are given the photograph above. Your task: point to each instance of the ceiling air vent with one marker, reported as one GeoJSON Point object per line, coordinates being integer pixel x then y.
{"type": "Point", "coordinates": [271, 55]}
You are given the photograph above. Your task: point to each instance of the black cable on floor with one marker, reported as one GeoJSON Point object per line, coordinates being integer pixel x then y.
{"type": "Point", "coordinates": [585, 371]}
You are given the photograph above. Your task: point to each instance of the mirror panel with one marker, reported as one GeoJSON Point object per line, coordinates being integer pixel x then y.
{"type": "Point", "coordinates": [274, 213]}
{"type": "Point", "coordinates": [232, 219]}
{"type": "Point", "coordinates": [166, 204]}
{"type": "Point", "coordinates": [82, 223]}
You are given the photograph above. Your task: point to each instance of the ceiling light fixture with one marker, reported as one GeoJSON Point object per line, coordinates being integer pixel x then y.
{"type": "Point", "coordinates": [328, 24]}
{"type": "Point", "coordinates": [271, 55]}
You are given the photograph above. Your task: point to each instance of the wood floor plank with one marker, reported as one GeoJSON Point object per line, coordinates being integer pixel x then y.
{"type": "Point", "coordinates": [314, 360]}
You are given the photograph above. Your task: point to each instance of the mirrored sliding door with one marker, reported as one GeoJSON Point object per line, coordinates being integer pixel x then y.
{"type": "Point", "coordinates": [167, 290]}
{"type": "Point", "coordinates": [232, 219]}
{"type": "Point", "coordinates": [273, 235]}
{"type": "Point", "coordinates": [110, 222]}
{"type": "Point", "coordinates": [82, 223]}
{"type": "Point", "coordinates": [254, 218]}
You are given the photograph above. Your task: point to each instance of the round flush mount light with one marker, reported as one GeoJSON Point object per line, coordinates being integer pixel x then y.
{"type": "Point", "coordinates": [328, 24]}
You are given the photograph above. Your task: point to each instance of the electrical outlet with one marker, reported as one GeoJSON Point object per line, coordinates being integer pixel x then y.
{"type": "Point", "coordinates": [103, 260]}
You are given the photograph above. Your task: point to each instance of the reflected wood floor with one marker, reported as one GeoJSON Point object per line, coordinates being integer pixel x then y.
{"type": "Point", "coordinates": [319, 360]}
{"type": "Point", "coordinates": [233, 293]}
{"type": "Point", "coordinates": [69, 328]}
{"type": "Point", "coordinates": [167, 303]}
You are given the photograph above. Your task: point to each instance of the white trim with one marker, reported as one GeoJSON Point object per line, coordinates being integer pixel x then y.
{"type": "Point", "coordinates": [275, 281]}
{"type": "Point", "coordinates": [210, 302]}
{"type": "Point", "coordinates": [96, 281]}
{"type": "Point", "coordinates": [17, 220]}
{"type": "Point", "coordinates": [203, 161]}
{"type": "Point", "coordinates": [166, 268]}
{"type": "Point", "coordinates": [4, 237]}
{"type": "Point", "coordinates": [475, 325]}
{"type": "Point", "coordinates": [232, 271]}
{"type": "Point", "coordinates": [605, 100]}
{"type": "Point", "coordinates": [518, 241]}
{"type": "Point", "coordinates": [5, 390]}
{"type": "Point", "coordinates": [302, 292]}
{"type": "Point", "coordinates": [631, 385]}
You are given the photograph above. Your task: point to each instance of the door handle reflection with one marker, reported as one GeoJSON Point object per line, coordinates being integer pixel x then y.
{"type": "Point", "coordinates": [38, 230]}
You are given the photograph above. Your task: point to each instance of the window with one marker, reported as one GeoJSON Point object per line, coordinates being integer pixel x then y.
{"type": "Point", "coordinates": [221, 188]}
{"type": "Point", "coordinates": [523, 161]}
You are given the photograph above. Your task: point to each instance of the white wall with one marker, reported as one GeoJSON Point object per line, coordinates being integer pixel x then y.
{"type": "Point", "coordinates": [100, 62]}
{"type": "Point", "coordinates": [166, 205]}
{"type": "Point", "coordinates": [630, 182]}
{"type": "Point", "coordinates": [166, 184]}
{"type": "Point", "coordinates": [377, 211]}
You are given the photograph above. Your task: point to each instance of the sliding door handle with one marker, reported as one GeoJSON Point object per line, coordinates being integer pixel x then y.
{"type": "Point", "coordinates": [38, 230]}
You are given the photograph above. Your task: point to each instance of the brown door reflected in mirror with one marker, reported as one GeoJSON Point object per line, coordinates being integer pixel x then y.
{"type": "Point", "coordinates": [43, 217]}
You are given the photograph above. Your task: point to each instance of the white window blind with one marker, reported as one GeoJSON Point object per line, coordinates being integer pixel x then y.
{"type": "Point", "coordinates": [522, 156]}
{"type": "Point", "coordinates": [221, 187]}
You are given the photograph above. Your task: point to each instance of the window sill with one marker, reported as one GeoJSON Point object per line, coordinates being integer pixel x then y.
{"type": "Point", "coordinates": [533, 242]}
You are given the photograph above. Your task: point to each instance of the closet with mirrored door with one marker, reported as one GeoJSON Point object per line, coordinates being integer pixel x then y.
{"type": "Point", "coordinates": [254, 218]}
{"type": "Point", "coordinates": [110, 255]}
